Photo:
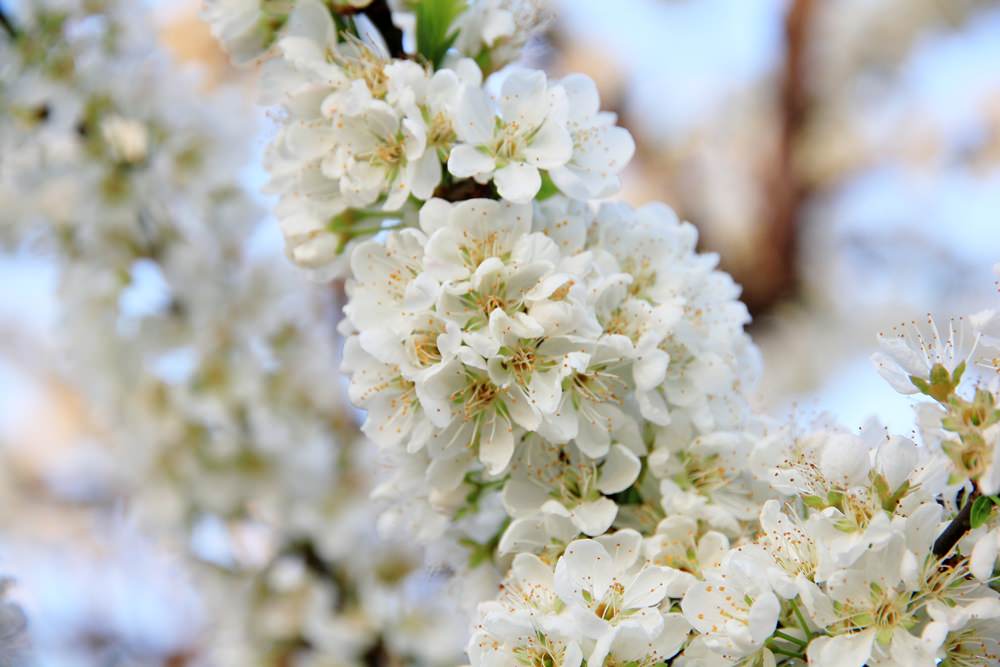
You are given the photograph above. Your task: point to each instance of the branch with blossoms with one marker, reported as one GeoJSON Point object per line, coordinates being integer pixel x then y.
{"type": "Point", "coordinates": [560, 386]}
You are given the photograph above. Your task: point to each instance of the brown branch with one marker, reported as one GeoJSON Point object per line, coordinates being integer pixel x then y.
{"type": "Point", "coordinates": [463, 189]}
{"type": "Point", "coordinates": [958, 527]}
{"type": "Point", "coordinates": [777, 274]}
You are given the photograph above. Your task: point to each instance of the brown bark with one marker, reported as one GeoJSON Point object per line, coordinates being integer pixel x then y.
{"type": "Point", "coordinates": [787, 193]}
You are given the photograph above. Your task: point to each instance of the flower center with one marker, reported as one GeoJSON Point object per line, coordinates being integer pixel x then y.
{"type": "Point", "coordinates": [507, 142]}
{"type": "Point", "coordinates": [540, 652]}
{"type": "Point", "coordinates": [596, 385]}
{"type": "Point", "coordinates": [610, 605]}
{"type": "Point", "coordinates": [423, 347]}
{"type": "Point", "coordinates": [366, 65]}
{"type": "Point", "coordinates": [643, 275]}
{"type": "Point", "coordinates": [970, 648]}
{"type": "Point", "coordinates": [561, 293]}
{"type": "Point", "coordinates": [476, 250]}
{"type": "Point", "coordinates": [389, 153]}
{"type": "Point", "coordinates": [475, 397]}
{"type": "Point", "coordinates": [703, 474]}
{"type": "Point", "coordinates": [623, 322]}
{"type": "Point", "coordinates": [440, 132]}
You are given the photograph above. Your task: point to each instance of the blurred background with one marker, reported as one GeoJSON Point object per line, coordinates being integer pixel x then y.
{"type": "Point", "coordinates": [841, 156]}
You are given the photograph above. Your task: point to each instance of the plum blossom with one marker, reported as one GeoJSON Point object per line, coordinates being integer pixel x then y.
{"type": "Point", "coordinates": [510, 140]}
{"type": "Point", "coordinates": [560, 480]}
{"type": "Point", "coordinates": [734, 608]}
{"type": "Point", "coordinates": [600, 148]}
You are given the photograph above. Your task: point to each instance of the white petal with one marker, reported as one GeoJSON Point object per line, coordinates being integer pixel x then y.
{"type": "Point", "coordinates": [653, 407]}
{"type": "Point", "coordinates": [523, 98]}
{"type": "Point", "coordinates": [700, 609]}
{"type": "Point", "coordinates": [619, 470]}
{"type": "Point", "coordinates": [763, 617]}
{"type": "Point", "coordinates": [522, 498]}
{"type": "Point", "coordinates": [594, 518]}
{"type": "Point", "coordinates": [585, 565]}
{"type": "Point", "coordinates": [581, 93]}
{"type": "Point", "coordinates": [603, 646]}
{"type": "Point", "coordinates": [561, 425]}
{"type": "Point", "coordinates": [496, 445]}
{"type": "Point", "coordinates": [434, 215]}
{"type": "Point", "coordinates": [889, 371]}
{"type": "Point", "coordinates": [592, 437]}
{"type": "Point", "coordinates": [498, 23]}
{"type": "Point", "coordinates": [522, 411]}
{"type": "Point", "coordinates": [426, 175]}
{"type": "Point", "coordinates": [517, 182]}
{"type": "Point", "coordinates": [842, 650]}
{"type": "Point", "coordinates": [466, 160]}
{"type": "Point", "coordinates": [447, 473]}
{"type": "Point", "coordinates": [546, 390]}
{"type": "Point", "coordinates": [984, 556]}
{"type": "Point", "coordinates": [551, 147]}
{"type": "Point", "coordinates": [650, 369]}
{"type": "Point", "coordinates": [573, 657]}
{"type": "Point", "coordinates": [648, 588]}
{"type": "Point", "coordinates": [844, 459]}
{"type": "Point", "coordinates": [474, 116]}
{"type": "Point", "coordinates": [624, 547]}
{"type": "Point", "coordinates": [530, 569]}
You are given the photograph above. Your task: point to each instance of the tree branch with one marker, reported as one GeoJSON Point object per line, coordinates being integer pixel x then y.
{"type": "Point", "coordinates": [958, 527]}
{"type": "Point", "coordinates": [777, 273]}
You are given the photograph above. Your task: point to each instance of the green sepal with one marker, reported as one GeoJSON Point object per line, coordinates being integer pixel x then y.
{"type": "Point", "coordinates": [434, 27]}
{"type": "Point", "coordinates": [814, 502]}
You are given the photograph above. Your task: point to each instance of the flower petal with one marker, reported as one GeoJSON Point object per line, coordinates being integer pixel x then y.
{"type": "Point", "coordinates": [517, 182]}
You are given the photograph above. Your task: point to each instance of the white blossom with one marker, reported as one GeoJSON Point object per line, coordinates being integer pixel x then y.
{"type": "Point", "coordinates": [510, 140]}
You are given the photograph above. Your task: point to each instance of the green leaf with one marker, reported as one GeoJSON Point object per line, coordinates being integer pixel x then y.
{"type": "Point", "coordinates": [434, 27]}
{"type": "Point", "coordinates": [981, 509]}
{"type": "Point", "coordinates": [548, 188]}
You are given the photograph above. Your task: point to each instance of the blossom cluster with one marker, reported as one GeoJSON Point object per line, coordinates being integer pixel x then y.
{"type": "Point", "coordinates": [365, 135]}
{"type": "Point", "coordinates": [539, 346]}
{"type": "Point", "coordinates": [568, 379]}
{"type": "Point", "coordinates": [866, 549]}
{"type": "Point", "coordinates": [508, 339]}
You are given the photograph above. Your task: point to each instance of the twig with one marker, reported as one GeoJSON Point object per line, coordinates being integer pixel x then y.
{"type": "Point", "coordinates": [958, 527]}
